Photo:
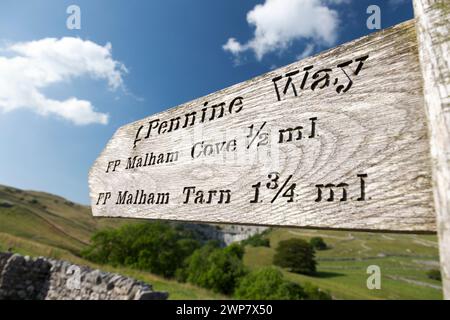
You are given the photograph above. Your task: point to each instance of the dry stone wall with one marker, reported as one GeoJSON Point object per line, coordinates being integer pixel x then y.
{"type": "Point", "coordinates": [24, 278]}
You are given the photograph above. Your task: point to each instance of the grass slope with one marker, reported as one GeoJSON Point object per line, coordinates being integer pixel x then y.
{"type": "Point", "coordinates": [403, 258]}
{"type": "Point", "coordinates": [48, 219]}
{"type": "Point", "coordinates": [40, 224]}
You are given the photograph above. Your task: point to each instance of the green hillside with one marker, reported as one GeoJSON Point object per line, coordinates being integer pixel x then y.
{"type": "Point", "coordinates": [48, 219]}
{"type": "Point", "coordinates": [404, 260]}
{"type": "Point", "coordinates": [40, 224]}
{"type": "Point", "coordinates": [36, 223]}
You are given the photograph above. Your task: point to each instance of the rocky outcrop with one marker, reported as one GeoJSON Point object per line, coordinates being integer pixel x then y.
{"type": "Point", "coordinates": [225, 234]}
{"type": "Point", "coordinates": [23, 278]}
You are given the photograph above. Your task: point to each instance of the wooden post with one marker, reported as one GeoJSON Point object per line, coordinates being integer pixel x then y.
{"type": "Point", "coordinates": [433, 34]}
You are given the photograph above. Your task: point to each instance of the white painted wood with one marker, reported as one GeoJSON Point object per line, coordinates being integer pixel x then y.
{"type": "Point", "coordinates": [378, 128]}
{"type": "Point", "coordinates": [433, 31]}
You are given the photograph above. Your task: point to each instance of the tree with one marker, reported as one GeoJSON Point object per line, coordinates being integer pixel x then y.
{"type": "Point", "coordinates": [257, 240]}
{"type": "Point", "coordinates": [315, 293]}
{"type": "Point", "coordinates": [296, 255]}
{"type": "Point", "coordinates": [194, 267]}
{"type": "Point", "coordinates": [268, 284]}
{"type": "Point", "coordinates": [318, 243]}
{"type": "Point", "coordinates": [155, 247]}
{"type": "Point", "coordinates": [215, 268]}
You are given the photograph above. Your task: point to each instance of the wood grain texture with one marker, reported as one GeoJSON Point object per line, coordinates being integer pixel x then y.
{"type": "Point", "coordinates": [378, 128]}
{"type": "Point", "coordinates": [433, 30]}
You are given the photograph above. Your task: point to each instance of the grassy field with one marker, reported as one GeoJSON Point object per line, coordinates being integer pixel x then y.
{"type": "Point", "coordinates": [403, 259]}
{"type": "Point", "coordinates": [41, 224]}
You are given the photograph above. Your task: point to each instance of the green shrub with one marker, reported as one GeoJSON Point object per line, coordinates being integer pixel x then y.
{"type": "Point", "coordinates": [33, 201]}
{"type": "Point", "coordinates": [315, 293]}
{"type": "Point", "coordinates": [155, 247]}
{"type": "Point", "coordinates": [434, 274]}
{"type": "Point", "coordinates": [268, 284]}
{"type": "Point", "coordinates": [297, 255]}
{"type": "Point", "coordinates": [215, 268]}
{"type": "Point", "coordinates": [257, 240]}
{"type": "Point", "coordinates": [318, 243]}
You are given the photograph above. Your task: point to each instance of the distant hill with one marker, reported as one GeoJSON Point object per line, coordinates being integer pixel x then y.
{"type": "Point", "coordinates": [48, 219]}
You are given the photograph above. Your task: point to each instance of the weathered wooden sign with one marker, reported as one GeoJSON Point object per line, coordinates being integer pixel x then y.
{"type": "Point", "coordinates": [339, 140]}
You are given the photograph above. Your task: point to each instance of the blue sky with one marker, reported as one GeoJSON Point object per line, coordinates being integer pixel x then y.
{"type": "Point", "coordinates": [173, 52]}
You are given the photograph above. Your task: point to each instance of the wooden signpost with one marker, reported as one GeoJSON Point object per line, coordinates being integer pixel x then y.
{"type": "Point", "coordinates": [433, 34]}
{"type": "Point", "coordinates": [346, 139]}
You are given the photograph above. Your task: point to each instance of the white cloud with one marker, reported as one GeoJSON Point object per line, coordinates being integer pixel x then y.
{"type": "Point", "coordinates": [233, 46]}
{"type": "Point", "coordinates": [309, 49]}
{"type": "Point", "coordinates": [32, 66]}
{"type": "Point", "coordinates": [278, 23]}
